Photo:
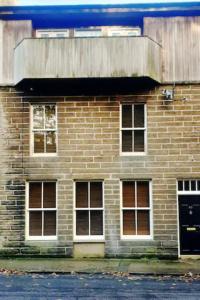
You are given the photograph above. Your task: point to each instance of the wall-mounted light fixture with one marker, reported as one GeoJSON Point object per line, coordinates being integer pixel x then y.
{"type": "Point", "coordinates": [168, 94]}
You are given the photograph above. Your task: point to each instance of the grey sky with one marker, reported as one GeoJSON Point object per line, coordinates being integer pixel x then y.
{"type": "Point", "coordinates": [78, 2]}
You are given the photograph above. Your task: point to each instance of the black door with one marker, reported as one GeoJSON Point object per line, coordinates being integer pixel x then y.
{"type": "Point", "coordinates": [189, 220]}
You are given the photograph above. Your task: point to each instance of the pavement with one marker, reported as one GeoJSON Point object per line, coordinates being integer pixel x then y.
{"type": "Point", "coordinates": [97, 287]}
{"type": "Point", "coordinates": [106, 266]}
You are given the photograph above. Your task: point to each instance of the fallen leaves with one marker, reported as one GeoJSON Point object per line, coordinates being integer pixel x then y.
{"type": "Point", "coordinates": [187, 277]}
{"type": "Point", "coordinates": [9, 272]}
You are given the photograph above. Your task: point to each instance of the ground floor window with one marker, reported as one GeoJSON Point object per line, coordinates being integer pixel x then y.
{"type": "Point", "coordinates": [89, 210]}
{"type": "Point", "coordinates": [41, 210]}
{"type": "Point", "coordinates": [136, 213]}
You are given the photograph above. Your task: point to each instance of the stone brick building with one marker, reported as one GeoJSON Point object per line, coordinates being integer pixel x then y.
{"type": "Point", "coordinates": [100, 130]}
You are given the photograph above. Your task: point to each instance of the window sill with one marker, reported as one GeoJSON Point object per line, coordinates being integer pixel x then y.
{"type": "Point", "coordinates": [133, 153]}
{"type": "Point", "coordinates": [87, 239]}
{"type": "Point", "coordinates": [136, 238]}
{"type": "Point", "coordinates": [44, 154]}
{"type": "Point", "coordinates": [42, 238]}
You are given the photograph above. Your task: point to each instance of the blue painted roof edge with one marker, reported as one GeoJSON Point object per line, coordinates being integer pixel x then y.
{"type": "Point", "coordinates": [107, 5]}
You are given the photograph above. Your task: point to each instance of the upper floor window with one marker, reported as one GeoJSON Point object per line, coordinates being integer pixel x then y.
{"type": "Point", "coordinates": [89, 210]}
{"type": "Point", "coordinates": [88, 32]}
{"type": "Point", "coordinates": [41, 210]}
{"type": "Point", "coordinates": [133, 128]}
{"type": "Point", "coordinates": [43, 129]}
{"type": "Point", "coordinates": [52, 33]}
{"type": "Point", "coordinates": [123, 31]}
{"type": "Point", "coordinates": [92, 31]}
{"type": "Point", "coordinates": [136, 209]}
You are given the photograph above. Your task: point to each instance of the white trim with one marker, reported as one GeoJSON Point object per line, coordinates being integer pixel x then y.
{"type": "Point", "coordinates": [150, 209]}
{"type": "Point", "coordinates": [136, 237]}
{"type": "Point", "coordinates": [178, 223]}
{"type": "Point", "coordinates": [27, 210]}
{"type": "Point", "coordinates": [74, 212]}
{"type": "Point", "coordinates": [89, 214]}
{"type": "Point", "coordinates": [133, 154]}
{"type": "Point", "coordinates": [120, 127]}
{"type": "Point", "coordinates": [42, 206]}
{"type": "Point", "coordinates": [88, 238]}
{"type": "Point", "coordinates": [92, 238]}
{"type": "Point", "coordinates": [136, 208]}
{"type": "Point", "coordinates": [133, 129]}
{"type": "Point", "coordinates": [32, 131]}
{"type": "Point", "coordinates": [188, 193]}
{"type": "Point", "coordinates": [146, 129]}
{"type": "Point", "coordinates": [44, 154]}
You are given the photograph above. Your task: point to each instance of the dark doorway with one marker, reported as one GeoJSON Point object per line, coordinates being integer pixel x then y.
{"type": "Point", "coordinates": [189, 220]}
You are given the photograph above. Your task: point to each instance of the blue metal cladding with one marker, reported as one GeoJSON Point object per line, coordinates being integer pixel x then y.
{"type": "Point", "coordinates": [85, 14]}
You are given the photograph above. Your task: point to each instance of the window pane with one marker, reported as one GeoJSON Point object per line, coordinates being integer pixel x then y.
{"type": "Point", "coordinates": [49, 195]}
{"type": "Point", "coordinates": [193, 185]}
{"type": "Point", "coordinates": [44, 35]}
{"type": "Point", "coordinates": [138, 116]}
{"type": "Point", "coordinates": [187, 186]}
{"type": "Point", "coordinates": [50, 142]}
{"type": "Point", "coordinates": [50, 116]}
{"type": "Point", "coordinates": [198, 185]}
{"type": "Point", "coordinates": [127, 141]}
{"type": "Point", "coordinates": [81, 194]}
{"type": "Point", "coordinates": [60, 35]}
{"type": "Point", "coordinates": [38, 142]}
{"type": "Point", "coordinates": [180, 185]}
{"type": "Point", "coordinates": [35, 223]}
{"type": "Point", "coordinates": [143, 223]}
{"type": "Point", "coordinates": [38, 117]}
{"type": "Point", "coordinates": [35, 195]}
{"type": "Point", "coordinates": [127, 116]}
{"type": "Point", "coordinates": [49, 223]}
{"type": "Point", "coordinates": [96, 194]}
{"type": "Point", "coordinates": [129, 222]}
{"type": "Point", "coordinates": [139, 140]}
{"type": "Point", "coordinates": [143, 194]}
{"type": "Point", "coordinates": [96, 223]}
{"type": "Point", "coordinates": [129, 194]}
{"type": "Point", "coordinates": [82, 223]}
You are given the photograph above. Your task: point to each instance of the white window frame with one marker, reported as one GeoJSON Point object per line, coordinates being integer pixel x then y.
{"type": "Point", "coordinates": [134, 153]}
{"type": "Point", "coordinates": [27, 210]}
{"type": "Point", "coordinates": [88, 238]}
{"type": "Point", "coordinates": [150, 209]}
{"type": "Point", "coordinates": [32, 130]}
{"type": "Point", "coordinates": [189, 191]}
{"type": "Point", "coordinates": [51, 33]}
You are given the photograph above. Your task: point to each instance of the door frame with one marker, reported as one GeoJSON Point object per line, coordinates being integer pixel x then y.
{"type": "Point", "coordinates": [184, 193]}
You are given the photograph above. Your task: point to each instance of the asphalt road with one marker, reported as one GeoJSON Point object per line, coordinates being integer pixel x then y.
{"type": "Point", "coordinates": [76, 286]}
